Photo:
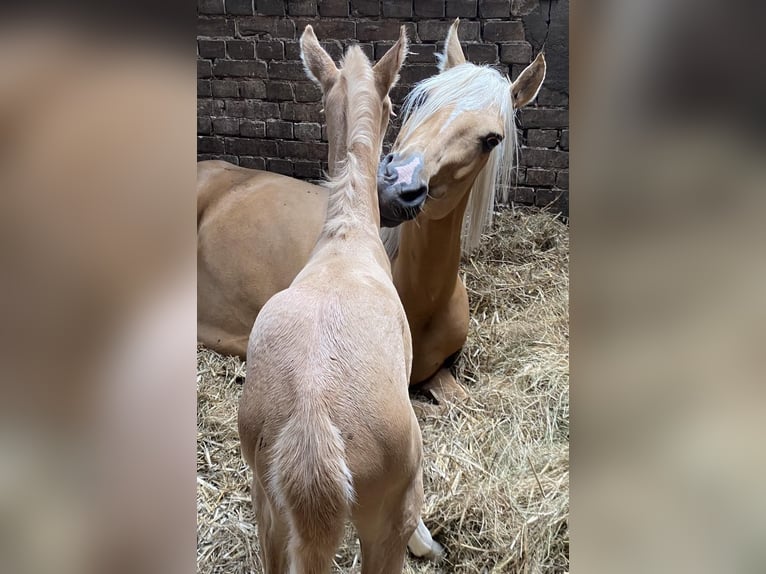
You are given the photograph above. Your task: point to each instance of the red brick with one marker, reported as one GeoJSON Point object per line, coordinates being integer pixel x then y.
{"type": "Point", "coordinates": [270, 7]}
{"type": "Point", "coordinates": [283, 166]}
{"type": "Point", "coordinates": [413, 73]}
{"type": "Point", "coordinates": [546, 197]}
{"type": "Point", "coordinates": [276, 27]}
{"type": "Point", "coordinates": [552, 98]}
{"type": "Point", "coordinates": [544, 118]}
{"type": "Point", "coordinates": [262, 110]}
{"type": "Point", "coordinates": [302, 7]}
{"type": "Point", "coordinates": [207, 107]}
{"type": "Point", "coordinates": [436, 31]}
{"type": "Point", "coordinates": [307, 169]}
{"type": "Point", "coordinates": [481, 53]}
{"type": "Point", "coordinates": [550, 158]}
{"type": "Point", "coordinates": [235, 109]}
{"type": "Point", "coordinates": [239, 7]}
{"type": "Point", "coordinates": [252, 89]}
{"type": "Point", "coordinates": [239, 68]}
{"type": "Point", "coordinates": [301, 112]}
{"type": "Point", "coordinates": [240, 49]}
{"type": "Point", "coordinates": [252, 162]}
{"type": "Point", "coordinates": [303, 150]}
{"type": "Point", "coordinates": [292, 70]}
{"type": "Point", "coordinates": [333, 8]}
{"type": "Point", "coordinates": [279, 129]}
{"type": "Point", "coordinates": [429, 8]}
{"type": "Point", "coordinates": [252, 129]}
{"type": "Point", "coordinates": [397, 9]}
{"type": "Point", "coordinates": [214, 27]}
{"type": "Point", "coordinates": [494, 8]}
{"type": "Point", "coordinates": [503, 32]}
{"type": "Point", "coordinates": [210, 7]}
{"type": "Point", "coordinates": [524, 7]}
{"type": "Point", "coordinates": [206, 144]}
{"type": "Point", "coordinates": [540, 177]}
{"type": "Point", "coordinates": [256, 147]}
{"type": "Point", "coordinates": [382, 30]}
{"type": "Point", "coordinates": [365, 7]}
{"type": "Point", "coordinates": [204, 69]}
{"type": "Point", "coordinates": [516, 53]}
{"type": "Point", "coordinates": [307, 92]}
{"type": "Point", "coordinates": [330, 29]}
{"type": "Point", "coordinates": [204, 126]}
{"type": "Point", "coordinates": [461, 8]}
{"type": "Point", "coordinates": [226, 126]}
{"type": "Point", "coordinates": [225, 89]}
{"type": "Point", "coordinates": [307, 131]}
{"type": "Point", "coordinates": [279, 91]}
{"type": "Point", "coordinates": [204, 89]}
{"type": "Point", "coordinates": [542, 138]}
{"type": "Point", "coordinates": [523, 195]}
{"type": "Point", "coordinates": [270, 50]}
{"type": "Point", "coordinates": [211, 49]}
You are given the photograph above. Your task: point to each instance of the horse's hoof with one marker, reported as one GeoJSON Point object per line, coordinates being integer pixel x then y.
{"type": "Point", "coordinates": [437, 552]}
{"type": "Point", "coordinates": [444, 388]}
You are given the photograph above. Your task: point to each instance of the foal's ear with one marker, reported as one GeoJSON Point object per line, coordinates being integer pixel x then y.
{"type": "Point", "coordinates": [318, 63]}
{"type": "Point", "coordinates": [453, 53]}
{"type": "Point", "coordinates": [526, 86]}
{"type": "Point", "coordinates": [387, 69]}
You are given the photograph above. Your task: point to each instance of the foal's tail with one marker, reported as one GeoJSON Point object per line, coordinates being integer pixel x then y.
{"type": "Point", "coordinates": [314, 486]}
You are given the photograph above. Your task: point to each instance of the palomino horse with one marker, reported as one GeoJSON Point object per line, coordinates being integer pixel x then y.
{"type": "Point", "coordinates": [325, 418]}
{"type": "Point", "coordinates": [257, 229]}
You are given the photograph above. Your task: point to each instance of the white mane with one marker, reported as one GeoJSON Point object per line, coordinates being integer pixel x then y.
{"type": "Point", "coordinates": [466, 87]}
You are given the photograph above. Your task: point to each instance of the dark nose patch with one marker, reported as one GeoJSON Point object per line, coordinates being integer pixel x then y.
{"type": "Point", "coordinates": [401, 173]}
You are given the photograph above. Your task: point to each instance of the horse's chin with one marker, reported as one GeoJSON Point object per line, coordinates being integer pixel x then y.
{"type": "Point", "coordinates": [394, 220]}
{"type": "Point", "coordinates": [385, 222]}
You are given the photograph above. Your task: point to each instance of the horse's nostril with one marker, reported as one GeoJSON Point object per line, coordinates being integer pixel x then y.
{"type": "Point", "coordinates": [413, 195]}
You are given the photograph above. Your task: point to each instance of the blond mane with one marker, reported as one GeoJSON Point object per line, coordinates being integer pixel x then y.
{"type": "Point", "coordinates": [466, 87]}
{"type": "Point", "coordinates": [355, 174]}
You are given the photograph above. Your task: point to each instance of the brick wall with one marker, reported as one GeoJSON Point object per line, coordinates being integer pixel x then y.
{"type": "Point", "coordinates": [256, 108]}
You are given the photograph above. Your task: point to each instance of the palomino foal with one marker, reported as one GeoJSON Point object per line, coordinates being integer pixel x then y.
{"type": "Point", "coordinates": [325, 419]}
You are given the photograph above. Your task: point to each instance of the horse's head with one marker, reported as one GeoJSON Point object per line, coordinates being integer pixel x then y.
{"type": "Point", "coordinates": [455, 124]}
{"type": "Point", "coordinates": [345, 94]}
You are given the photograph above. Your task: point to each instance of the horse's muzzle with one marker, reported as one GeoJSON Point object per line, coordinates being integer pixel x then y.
{"type": "Point", "coordinates": [401, 191]}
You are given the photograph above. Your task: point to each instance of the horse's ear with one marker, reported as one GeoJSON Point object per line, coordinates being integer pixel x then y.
{"type": "Point", "coordinates": [318, 63]}
{"type": "Point", "coordinates": [453, 53]}
{"type": "Point", "coordinates": [526, 86]}
{"type": "Point", "coordinates": [387, 69]}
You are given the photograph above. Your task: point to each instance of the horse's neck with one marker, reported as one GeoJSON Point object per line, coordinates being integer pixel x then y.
{"type": "Point", "coordinates": [353, 203]}
{"type": "Point", "coordinates": [428, 260]}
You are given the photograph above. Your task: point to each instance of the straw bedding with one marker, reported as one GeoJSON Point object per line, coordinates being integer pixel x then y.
{"type": "Point", "coordinates": [496, 466]}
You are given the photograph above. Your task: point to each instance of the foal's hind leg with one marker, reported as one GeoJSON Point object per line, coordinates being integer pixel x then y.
{"type": "Point", "coordinates": [272, 532]}
{"type": "Point", "coordinates": [384, 538]}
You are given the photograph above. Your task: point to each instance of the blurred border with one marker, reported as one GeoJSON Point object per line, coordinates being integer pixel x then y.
{"type": "Point", "coordinates": [98, 295]}
{"type": "Point", "coordinates": [668, 275]}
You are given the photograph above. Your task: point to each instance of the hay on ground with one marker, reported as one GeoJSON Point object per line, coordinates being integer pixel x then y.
{"type": "Point", "coordinates": [496, 466]}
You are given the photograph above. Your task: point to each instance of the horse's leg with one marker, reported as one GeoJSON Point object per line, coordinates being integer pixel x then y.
{"type": "Point", "coordinates": [384, 538]}
{"type": "Point", "coordinates": [272, 532]}
{"type": "Point", "coordinates": [444, 388]}
{"type": "Point", "coordinates": [422, 545]}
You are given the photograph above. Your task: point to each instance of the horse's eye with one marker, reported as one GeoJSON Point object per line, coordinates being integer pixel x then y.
{"type": "Point", "coordinates": [492, 141]}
